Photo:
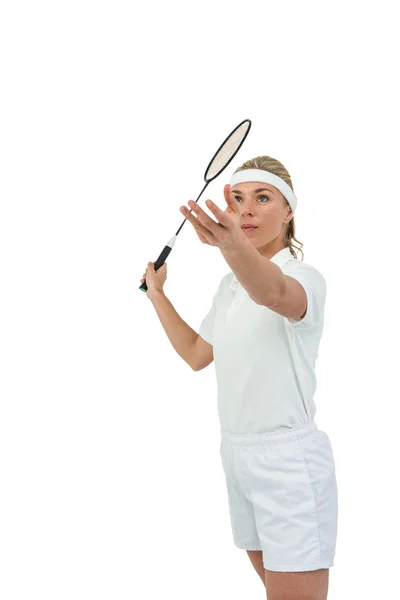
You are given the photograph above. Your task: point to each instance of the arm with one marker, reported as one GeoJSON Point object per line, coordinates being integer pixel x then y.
{"type": "Point", "coordinates": [262, 279]}
{"type": "Point", "coordinates": [203, 354]}
{"type": "Point", "coordinates": [188, 344]}
{"type": "Point", "coordinates": [265, 282]}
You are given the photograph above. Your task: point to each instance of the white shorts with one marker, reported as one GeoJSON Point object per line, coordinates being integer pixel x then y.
{"type": "Point", "coordinates": [283, 496]}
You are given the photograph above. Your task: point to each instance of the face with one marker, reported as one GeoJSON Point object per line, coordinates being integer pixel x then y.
{"type": "Point", "coordinates": [262, 205]}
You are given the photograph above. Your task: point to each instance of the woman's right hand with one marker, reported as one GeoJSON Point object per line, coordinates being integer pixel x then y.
{"type": "Point", "coordinates": [154, 279]}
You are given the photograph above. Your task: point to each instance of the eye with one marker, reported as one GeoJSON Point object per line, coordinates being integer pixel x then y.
{"type": "Point", "coordinates": [266, 197]}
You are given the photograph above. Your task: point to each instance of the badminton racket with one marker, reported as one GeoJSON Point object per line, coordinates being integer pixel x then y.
{"type": "Point", "coordinates": [221, 159]}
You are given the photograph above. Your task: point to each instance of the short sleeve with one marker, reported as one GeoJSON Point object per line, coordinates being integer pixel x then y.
{"type": "Point", "coordinates": [314, 285]}
{"type": "Point", "coordinates": [207, 324]}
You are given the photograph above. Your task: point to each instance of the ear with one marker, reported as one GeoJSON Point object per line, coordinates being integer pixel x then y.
{"type": "Point", "coordinates": [289, 214]}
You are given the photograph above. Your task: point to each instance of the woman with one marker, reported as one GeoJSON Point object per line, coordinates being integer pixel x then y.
{"type": "Point", "coordinates": [263, 332]}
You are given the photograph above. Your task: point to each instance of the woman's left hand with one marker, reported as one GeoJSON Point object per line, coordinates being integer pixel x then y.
{"type": "Point", "coordinates": [226, 233]}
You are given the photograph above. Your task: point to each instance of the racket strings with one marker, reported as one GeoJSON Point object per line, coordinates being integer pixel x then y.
{"type": "Point", "coordinates": [227, 150]}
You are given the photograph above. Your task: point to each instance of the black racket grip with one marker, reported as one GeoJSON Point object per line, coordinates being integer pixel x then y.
{"type": "Point", "coordinates": [159, 263]}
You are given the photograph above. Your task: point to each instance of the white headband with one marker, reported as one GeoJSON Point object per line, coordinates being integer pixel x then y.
{"type": "Point", "coordinates": [266, 177]}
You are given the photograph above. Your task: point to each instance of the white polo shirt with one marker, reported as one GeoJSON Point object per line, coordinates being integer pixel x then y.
{"type": "Point", "coordinates": [264, 362]}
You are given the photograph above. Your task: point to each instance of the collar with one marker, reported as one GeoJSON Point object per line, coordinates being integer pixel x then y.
{"type": "Point", "coordinates": [280, 259]}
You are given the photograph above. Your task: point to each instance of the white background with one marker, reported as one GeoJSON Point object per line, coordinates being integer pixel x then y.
{"type": "Point", "coordinates": [110, 474]}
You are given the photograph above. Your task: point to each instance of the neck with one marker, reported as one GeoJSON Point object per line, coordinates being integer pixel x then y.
{"type": "Point", "coordinates": [269, 250]}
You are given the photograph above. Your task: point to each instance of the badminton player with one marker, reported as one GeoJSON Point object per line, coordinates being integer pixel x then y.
{"type": "Point", "coordinates": [263, 331]}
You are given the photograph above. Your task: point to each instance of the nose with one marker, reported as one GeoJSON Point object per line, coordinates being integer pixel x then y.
{"type": "Point", "coordinates": [246, 211]}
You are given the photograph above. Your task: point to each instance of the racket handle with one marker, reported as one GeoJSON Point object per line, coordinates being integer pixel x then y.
{"type": "Point", "coordinates": [159, 263]}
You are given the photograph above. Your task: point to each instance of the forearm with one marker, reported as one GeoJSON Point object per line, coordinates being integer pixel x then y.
{"type": "Point", "coordinates": [262, 279]}
{"type": "Point", "coordinates": [180, 334]}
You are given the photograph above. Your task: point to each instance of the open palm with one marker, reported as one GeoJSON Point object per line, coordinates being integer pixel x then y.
{"type": "Point", "coordinates": [224, 232]}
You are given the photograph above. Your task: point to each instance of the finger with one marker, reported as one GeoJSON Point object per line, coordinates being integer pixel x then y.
{"type": "Point", "coordinates": [196, 223]}
{"type": "Point", "coordinates": [204, 218]}
{"type": "Point", "coordinates": [220, 215]}
{"type": "Point", "coordinates": [232, 205]}
{"type": "Point", "coordinates": [202, 238]}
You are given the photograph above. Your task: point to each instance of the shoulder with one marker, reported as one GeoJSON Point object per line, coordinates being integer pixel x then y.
{"type": "Point", "coordinates": [304, 271]}
{"type": "Point", "coordinates": [223, 284]}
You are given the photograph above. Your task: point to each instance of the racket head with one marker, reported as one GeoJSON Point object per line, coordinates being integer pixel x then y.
{"type": "Point", "coordinates": [227, 150]}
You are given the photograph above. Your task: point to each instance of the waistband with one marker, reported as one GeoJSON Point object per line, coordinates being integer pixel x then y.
{"type": "Point", "coordinates": [269, 437]}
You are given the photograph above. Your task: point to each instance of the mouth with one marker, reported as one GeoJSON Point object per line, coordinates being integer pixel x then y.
{"type": "Point", "coordinates": [248, 229]}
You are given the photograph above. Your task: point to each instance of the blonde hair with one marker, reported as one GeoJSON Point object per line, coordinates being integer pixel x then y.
{"type": "Point", "coordinates": [274, 166]}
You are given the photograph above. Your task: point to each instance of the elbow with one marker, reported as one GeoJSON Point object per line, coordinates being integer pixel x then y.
{"type": "Point", "coordinates": [273, 298]}
{"type": "Point", "coordinates": [199, 367]}
{"type": "Point", "coordinates": [268, 302]}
